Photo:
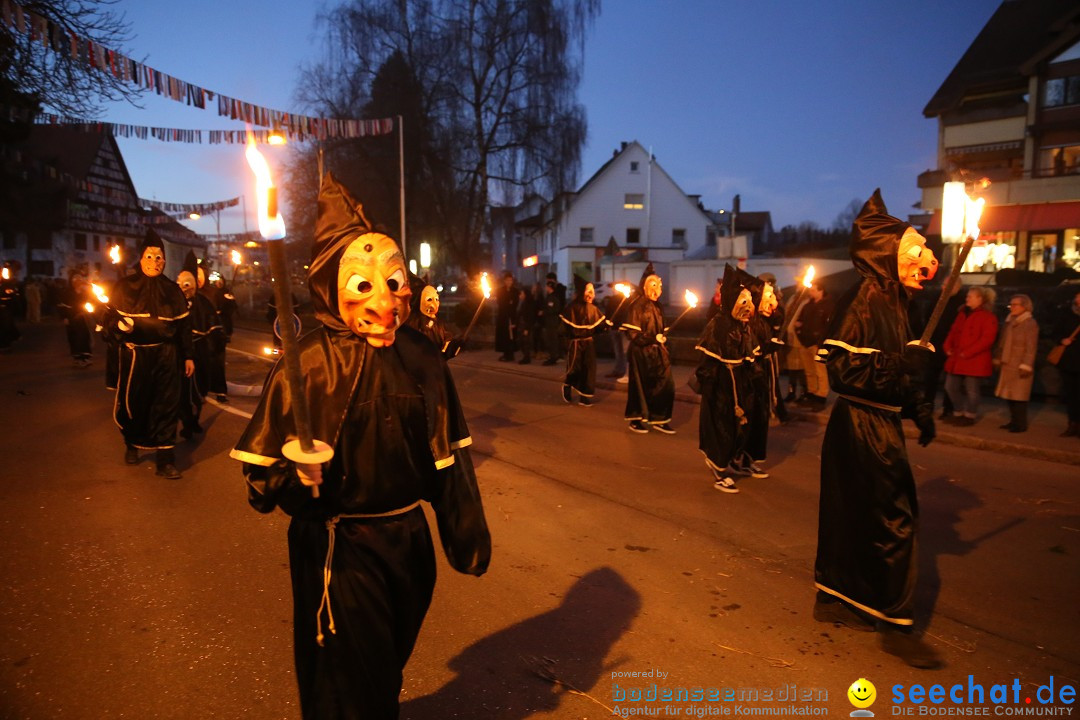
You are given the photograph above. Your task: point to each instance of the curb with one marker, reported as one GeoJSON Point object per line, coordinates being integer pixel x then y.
{"type": "Point", "coordinates": [1066, 457]}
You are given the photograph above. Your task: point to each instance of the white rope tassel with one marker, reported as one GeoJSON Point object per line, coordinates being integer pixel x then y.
{"type": "Point", "coordinates": [331, 524]}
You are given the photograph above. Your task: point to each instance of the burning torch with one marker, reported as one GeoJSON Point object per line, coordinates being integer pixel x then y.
{"type": "Point", "coordinates": [960, 218]}
{"type": "Point", "coordinates": [691, 303]}
{"type": "Point", "coordinates": [304, 448]}
{"type": "Point", "coordinates": [624, 290]}
{"type": "Point", "coordinates": [236, 260]}
{"type": "Point", "coordinates": [485, 287]}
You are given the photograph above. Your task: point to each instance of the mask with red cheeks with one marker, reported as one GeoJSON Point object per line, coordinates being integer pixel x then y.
{"type": "Point", "coordinates": [768, 301]}
{"type": "Point", "coordinates": [429, 301]}
{"type": "Point", "coordinates": [152, 262]}
{"type": "Point", "coordinates": [373, 293]}
{"type": "Point", "coordinates": [654, 286]}
{"type": "Point", "coordinates": [915, 263]}
{"type": "Point", "coordinates": [743, 309]}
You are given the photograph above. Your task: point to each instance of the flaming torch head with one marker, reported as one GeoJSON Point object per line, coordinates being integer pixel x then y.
{"type": "Point", "coordinates": [623, 289]}
{"type": "Point", "coordinates": [114, 254]}
{"type": "Point", "coordinates": [236, 260]}
{"type": "Point", "coordinates": [808, 277]}
{"type": "Point", "coordinates": [485, 285]}
{"type": "Point", "coordinates": [271, 224]}
{"type": "Point", "coordinates": [691, 299]}
{"type": "Point", "coordinates": [99, 293]}
{"type": "Point", "coordinates": [89, 307]}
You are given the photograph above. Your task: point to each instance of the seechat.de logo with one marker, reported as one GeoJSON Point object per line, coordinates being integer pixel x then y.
{"type": "Point", "coordinates": [862, 695]}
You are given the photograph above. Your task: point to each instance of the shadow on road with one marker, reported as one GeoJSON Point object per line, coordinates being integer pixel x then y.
{"type": "Point", "coordinates": [942, 503]}
{"type": "Point", "coordinates": [502, 677]}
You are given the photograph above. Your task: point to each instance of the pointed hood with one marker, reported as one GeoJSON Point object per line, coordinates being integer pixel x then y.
{"type": "Point", "coordinates": [191, 264]}
{"type": "Point", "coordinates": [649, 270]}
{"type": "Point", "coordinates": [340, 220]}
{"type": "Point", "coordinates": [752, 283]}
{"type": "Point", "coordinates": [875, 239]}
{"type": "Point", "coordinates": [579, 287]}
{"type": "Point", "coordinates": [417, 284]}
{"type": "Point", "coordinates": [733, 283]}
{"type": "Point", "coordinates": [151, 239]}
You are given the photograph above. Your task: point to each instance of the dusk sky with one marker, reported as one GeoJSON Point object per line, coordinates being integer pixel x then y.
{"type": "Point", "coordinates": [800, 107]}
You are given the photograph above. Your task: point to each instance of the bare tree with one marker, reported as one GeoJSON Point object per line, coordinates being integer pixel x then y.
{"type": "Point", "coordinates": [490, 104]}
{"type": "Point", "coordinates": [43, 67]}
{"type": "Point", "coordinates": [847, 216]}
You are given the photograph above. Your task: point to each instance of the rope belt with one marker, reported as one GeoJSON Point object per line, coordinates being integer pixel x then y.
{"type": "Point", "coordinates": [871, 403]}
{"type": "Point", "coordinates": [331, 525]}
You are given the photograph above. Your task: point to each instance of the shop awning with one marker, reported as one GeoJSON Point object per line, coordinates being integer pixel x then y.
{"type": "Point", "coordinates": [1039, 216]}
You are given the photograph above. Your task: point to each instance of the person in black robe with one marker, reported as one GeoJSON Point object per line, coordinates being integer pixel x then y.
{"type": "Point", "coordinates": [9, 306]}
{"type": "Point", "coordinates": [764, 333]}
{"type": "Point", "coordinates": [213, 375]}
{"type": "Point", "coordinates": [202, 320]}
{"type": "Point", "coordinates": [150, 315]}
{"type": "Point", "coordinates": [361, 554]}
{"type": "Point", "coordinates": [77, 306]}
{"type": "Point", "coordinates": [506, 298]}
{"type": "Point", "coordinates": [650, 392]}
{"type": "Point", "coordinates": [524, 320]}
{"type": "Point", "coordinates": [868, 519]}
{"type": "Point", "coordinates": [724, 376]}
{"type": "Point", "coordinates": [424, 316]}
{"type": "Point", "coordinates": [582, 320]}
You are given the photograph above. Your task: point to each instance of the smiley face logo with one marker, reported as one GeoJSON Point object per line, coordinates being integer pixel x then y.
{"type": "Point", "coordinates": [862, 693]}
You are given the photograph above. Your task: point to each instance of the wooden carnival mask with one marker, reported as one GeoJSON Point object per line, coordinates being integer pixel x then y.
{"type": "Point", "coordinates": [590, 293]}
{"type": "Point", "coordinates": [429, 302]}
{"type": "Point", "coordinates": [743, 308]}
{"type": "Point", "coordinates": [373, 293]}
{"type": "Point", "coordinates": [915, 263]}
{"type": "Point", "coordinates": [654, 286]}
{"type": "Point", "coordinates": [187, 283]}
{"type": "Point", "coordinates": [152, 262]}
{"type": "Point", "coordinates": [768, 302]}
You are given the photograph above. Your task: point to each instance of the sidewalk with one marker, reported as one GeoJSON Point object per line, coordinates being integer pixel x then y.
{"type": "Point", "coordinates": [1041, 441]}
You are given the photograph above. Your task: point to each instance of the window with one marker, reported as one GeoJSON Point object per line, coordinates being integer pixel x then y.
{"type": "Point", "coordinates": [80, 241]}
{"type": "Point", "coordinates": [1062, 91]}
{"type": "Point", "coordinates": [586, 236]}
{"type": "Point", "coordinates": [97, 242]}
{"type": "Point", "coordinates": [41, 267]}
{"type": "Point", "coordinates": [678, 237]}
{"type": "Point", "coordinates": [1062, 160]}
{"type": "Point", "coordinates": [634, 201]}
{"type": "Point", "coordinates": [633, 166]}
{"type": "Point", "coordinates": [633, 236]}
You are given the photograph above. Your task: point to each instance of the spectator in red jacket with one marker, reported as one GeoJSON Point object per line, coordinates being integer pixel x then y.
{"type": "Point", "coordinates": [969, 353]}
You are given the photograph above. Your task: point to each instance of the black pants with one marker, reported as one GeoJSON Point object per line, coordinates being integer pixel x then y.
{"type": "Point", "coordinates": [1018, 414]}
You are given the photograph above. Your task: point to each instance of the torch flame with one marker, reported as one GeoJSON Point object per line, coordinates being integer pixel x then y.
{"type": "Point", "coordinates": [114, 254]}
{"type": "Point", "coordinates": [808, 278]}
{"type": "Point", "coordinates": [99, 293]}
{"type": "Point", "coordinates": [236, 257]}
{"type": "Point", "coordinates": [89, 307]}
{"type": "Point", "coordinates": [5, 273]}
{"type": "Point", "coordinates": [271, 228]}
{"type": "Point", "coordinates": [972, 214]}
{"type": "Point", "coordinates": [691, 299]}
{"type": "Point", "coordinates": [623, 288]}
{"type": "Point", "coordinates": [485, 286]}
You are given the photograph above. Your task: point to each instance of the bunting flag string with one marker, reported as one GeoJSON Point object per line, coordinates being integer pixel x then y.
{"type": "Point", "coordinates": [296, 127]}
{"type": "Point", "coordinates": [187, 208]}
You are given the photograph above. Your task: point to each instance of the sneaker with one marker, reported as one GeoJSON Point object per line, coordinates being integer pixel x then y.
{"type": "Point", "coordinates": [665, 428]}
{"type": "Point", "coordinates": [222, 398]}
{"type": "Point", "coordinates": [624, 379]}
{"type": "Point", "coordinates": [169, 471]}
{"type": "Point", "coordinates": [567, 395]}
{"type": "Point", "coordinates": [756, 471]}
{"type": "Point", "coordinates": [638, 427]}
{"type": "Point", "coordinates": [737, 468]}
{"type": "Point", "coordinates": [584, 401]}
{"type": "Point", "coordinates": [726, 484]}
{"type": "Point", "coordinates": [131, 455]}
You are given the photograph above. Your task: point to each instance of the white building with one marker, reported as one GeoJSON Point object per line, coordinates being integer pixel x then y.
{"type": "Point", "coordinates": [630, 211]}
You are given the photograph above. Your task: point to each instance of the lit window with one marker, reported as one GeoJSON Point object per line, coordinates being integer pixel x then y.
{"type": "Point", "coordinates": [634, 201]}
{"type": "Point", "coordinates": [586, 236]}
{"type": "Point", "coordinates": [1062, 91]}
{"type": "Point", "coordinates": [633, 236]}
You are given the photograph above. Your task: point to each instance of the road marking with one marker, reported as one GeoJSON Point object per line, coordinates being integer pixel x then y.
{"type": "Point", "coordinates": [254, 355]}
{"type": "Point", "coordinates": [227, 408]}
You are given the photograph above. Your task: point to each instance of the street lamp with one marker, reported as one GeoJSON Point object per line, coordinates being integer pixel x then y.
{"type": "Point", "coordinates": [425, 255]}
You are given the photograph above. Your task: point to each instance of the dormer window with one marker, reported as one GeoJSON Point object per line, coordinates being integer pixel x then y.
{"type": "Point", "coordinates": [633, 166]}
{"type": "Point", "coordinates": [634, 201]}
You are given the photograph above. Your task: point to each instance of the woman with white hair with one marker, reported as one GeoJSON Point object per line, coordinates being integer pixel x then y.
{"type": "Point", "coordinates": [1015, 359]}
{"type": "Point", "coordinates": [969, 352]}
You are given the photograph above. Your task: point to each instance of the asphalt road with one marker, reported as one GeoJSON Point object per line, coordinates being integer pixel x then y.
{"type": "Point", "coordinates": [127, 595]}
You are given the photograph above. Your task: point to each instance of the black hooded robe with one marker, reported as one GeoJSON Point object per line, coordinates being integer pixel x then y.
{"type": "Point", "coordinates": [868, 509]}
{"type": "Point", "coordinates": [582, 320]}
{"type": "Point", "coordinates": [203, 320]}
{"type": "Point", "coordinates": [764, 333]}
{"type": "Point", "coordinates": [213, 380]}
{"type": "Point", "coordinates": [79, 322]}
{"type": "Point", "coordinates": [725, 375]}
{"type": "Point", "coordinates": [399, 436]}
{"type": "Point", "coordinates": [152, 356]}
{"type": "Point", "coordinates": [430, 327]}
{"type": "Point", "coordinates": [650, 394]}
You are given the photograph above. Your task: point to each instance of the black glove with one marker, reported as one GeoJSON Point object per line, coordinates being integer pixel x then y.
{"type": "Point", "coordinates": [924, 420]}
{"type": "Point", "coordinates": [453, 347]}
{"type": "Point", "coordinates": [915, 360]}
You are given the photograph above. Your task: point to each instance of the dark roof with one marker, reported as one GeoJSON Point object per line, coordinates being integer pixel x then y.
{"type": "Point", "coordinates": [999, 57]}
{"type": "Point", "coordinates": [753, 221]}
{"type": "Point", "coordinates": [69, 150]}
